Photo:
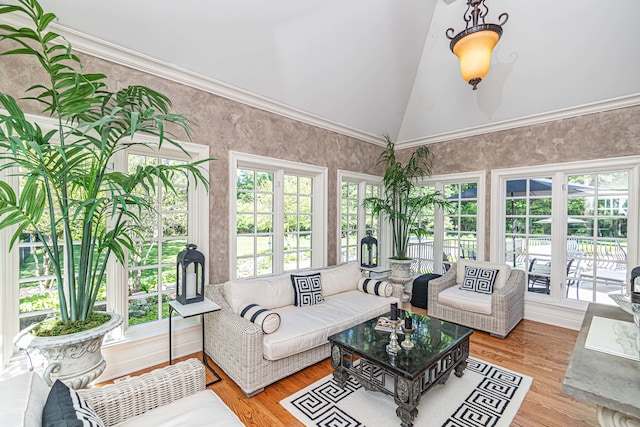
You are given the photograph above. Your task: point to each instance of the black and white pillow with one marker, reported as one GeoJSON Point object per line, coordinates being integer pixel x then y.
{"type": "Point", "coordinates": [307, 290]}
{"type": "Point", "coordinates": [479, 279]}
{"type": "Point", "coordinates": [267, 320]}
{"type": "Point", "coordinates": [66, 408]}
{"type": "Point", "coordinates": [375, 287]}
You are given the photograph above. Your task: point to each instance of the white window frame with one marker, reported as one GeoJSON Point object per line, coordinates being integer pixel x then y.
{"type": "Point", "coordinates": [439, 182]}
{"type": "Point", "coordinates": [198, 220]}
{"type": "Point", "coordinates": [116, 295]}
{"type": "Point", "coordinates": [559, 171]}
{"type": "Point", "coordinates": [384, 239]}
{"type": "Point", "coordinates": [318, 174]}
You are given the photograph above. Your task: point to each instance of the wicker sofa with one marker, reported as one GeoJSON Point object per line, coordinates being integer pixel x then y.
{"type": "Point", "coordinates": [497, 313]}
{"type": "Point", "coordinates": [254, 359]}
{"type": "Point", "coordinates": [172, 396]}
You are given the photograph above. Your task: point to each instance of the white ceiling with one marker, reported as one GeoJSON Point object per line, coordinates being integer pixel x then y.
{"type": "Point", "coordinates": [384, 65]}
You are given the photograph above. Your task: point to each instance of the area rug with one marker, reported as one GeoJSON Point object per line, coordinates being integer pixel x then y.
{"type": "Point", "coordinates": [486, 395]}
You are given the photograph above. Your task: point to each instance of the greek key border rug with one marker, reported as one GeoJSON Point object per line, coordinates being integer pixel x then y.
{"type": "Point", "coordinates": [486, 395]}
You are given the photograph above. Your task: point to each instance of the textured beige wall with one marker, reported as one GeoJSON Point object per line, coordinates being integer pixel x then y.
{"type": "Point", "coordinates": [226, 125]}
{"type": "Point", "coordinates": [614, 133]}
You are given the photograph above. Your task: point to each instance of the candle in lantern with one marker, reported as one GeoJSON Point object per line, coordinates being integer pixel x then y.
{"type": "Point", "coordinates": [191, 285]}
{"type": "Point", "coordinates": [407, 322]}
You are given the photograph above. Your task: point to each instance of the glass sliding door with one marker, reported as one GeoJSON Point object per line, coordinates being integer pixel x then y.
{"type": "Point", "coordinates": [527, 208]}
{"type": "Point", "coordinates": [569, 228]}
{"type": "Point", "coordinates": [597, 217]}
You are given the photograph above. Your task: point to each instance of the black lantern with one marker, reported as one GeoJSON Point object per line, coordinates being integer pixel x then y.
{"type": "Point", "coordinates": [369, 252]}
{"type": "Point", "coordinates": [190, 276]}
{"type": "Point", "coordinates": [635, 285]}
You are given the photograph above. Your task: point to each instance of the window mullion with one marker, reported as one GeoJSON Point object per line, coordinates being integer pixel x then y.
{"type": "Point", "coordinates": [278, 221]}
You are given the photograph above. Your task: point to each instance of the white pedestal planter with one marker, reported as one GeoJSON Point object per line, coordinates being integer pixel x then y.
{"type": "Point", "coordinates": [401, 273]}
{"type": "Point", "coordinates": [75, 359]}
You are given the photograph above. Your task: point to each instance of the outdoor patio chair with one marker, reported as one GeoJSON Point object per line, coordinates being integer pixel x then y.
{"type": "Point", "coordinates": [539, 272]}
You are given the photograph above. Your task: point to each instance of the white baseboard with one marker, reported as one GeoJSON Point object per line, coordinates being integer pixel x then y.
{"type": "Point", "coordinates": [131, 355]}
{"type": "Point", "coordinates": [565, 317]}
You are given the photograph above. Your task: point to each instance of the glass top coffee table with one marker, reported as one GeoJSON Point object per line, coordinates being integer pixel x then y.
{"type": "Point", "coordinates": [439, 348]}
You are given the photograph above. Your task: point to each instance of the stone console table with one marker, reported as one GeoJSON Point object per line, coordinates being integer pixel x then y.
{"type": "Point", "coordinates": [612, 383]}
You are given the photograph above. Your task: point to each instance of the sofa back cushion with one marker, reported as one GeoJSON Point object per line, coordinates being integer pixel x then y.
{"type": "Point", "coordinates": [504, 271]}
{"type": "Point", "coordinates": [22, 399]}
{"type": "Point", "coordinates": [269, 292]}
{"type": "Point", "coordinates": [341, 278]}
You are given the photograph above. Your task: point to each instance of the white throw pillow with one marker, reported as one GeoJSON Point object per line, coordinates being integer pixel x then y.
{"type": "Point", "coordinates": [22, 399]}
{"type": "Point", "coordinates": [269, 321]}
{"type": "Point", "coordinates": [375, 287]}
{"type": "Point", "coordinates": [341, 278]}
{"type": "Point", "coordinates": [270, 292]}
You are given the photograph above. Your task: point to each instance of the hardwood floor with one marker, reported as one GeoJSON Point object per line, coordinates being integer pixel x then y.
{"type": "Point", "coordinates": [535, 349]}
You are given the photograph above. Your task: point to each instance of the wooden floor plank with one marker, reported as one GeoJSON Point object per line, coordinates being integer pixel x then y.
{"type": "Point", "coordinates": [535, 349]}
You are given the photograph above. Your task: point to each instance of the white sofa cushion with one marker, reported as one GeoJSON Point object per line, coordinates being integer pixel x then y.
{"type": "Point", "coordinates": [504, 271]}
{"type": "Point", "coordinates": [340, 279]}
{"type": "Point", "coordinates": [464, 300]}
{"type": "Point", "coordinates": [202, 409]}
{"type": "Point", "coordinates": [22, 399]}
{"type": "Point", "coordinates": [269, 292]}
{"type": "Point", "coordinates": [303, 328]}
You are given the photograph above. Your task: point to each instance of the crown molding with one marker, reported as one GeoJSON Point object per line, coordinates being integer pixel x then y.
{"type": "Point", "coordinates": [113, 53]}
{"type": "Point", "coordinates": [580, 110]}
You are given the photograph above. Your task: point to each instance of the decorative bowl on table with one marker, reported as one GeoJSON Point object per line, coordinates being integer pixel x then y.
{"type": "Point", "coordinates": [624, 302]}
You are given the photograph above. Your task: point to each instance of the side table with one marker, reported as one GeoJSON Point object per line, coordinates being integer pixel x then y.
{"type": "Point", "coordinates": [189, 310]}
{"type": "Point", "coordinates": [379, 272]}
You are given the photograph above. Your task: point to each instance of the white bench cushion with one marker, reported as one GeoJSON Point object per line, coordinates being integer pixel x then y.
{"type": "Point", "coordinates": [202, 409]}
{"type": "Point", "coordinates": [22, 399]}
{"type": "Point", "coordinates": [475, 302]}
{"type": "Point", "coordinates": [303, 328]}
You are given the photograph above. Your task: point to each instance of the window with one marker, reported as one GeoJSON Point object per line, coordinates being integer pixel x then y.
{"type": "Point", "coordinates": [356, 220]}
{"type": "Point", "coordinates": [442, 236]}
{"type": "Point", "coordinates": [277, 218]}
{"type": "Point", "coordinates": [567, 227]}
{"type": "Point", "coordinates": [151, 274]}
{"type": "Point", "coordinates": [150, 278]}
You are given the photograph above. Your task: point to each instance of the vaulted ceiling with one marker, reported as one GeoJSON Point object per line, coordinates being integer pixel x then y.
{"type": "Point", "coordinates": [374, 66]}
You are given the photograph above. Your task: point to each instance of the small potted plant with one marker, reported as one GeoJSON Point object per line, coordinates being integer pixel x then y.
{"type": "Point", "coordinates": [400, 202]}
{"type": "Point", "coordinates": [81, 211]}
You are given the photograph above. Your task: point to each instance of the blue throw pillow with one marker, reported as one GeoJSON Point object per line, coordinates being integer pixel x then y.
{"type": "Point", "coordinates": [66, 408]}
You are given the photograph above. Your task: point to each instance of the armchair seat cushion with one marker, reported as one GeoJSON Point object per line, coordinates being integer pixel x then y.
{"type": "Point", "coordinates": [202, 409]}
{"type": "Point", "coordinates": [475, 302]}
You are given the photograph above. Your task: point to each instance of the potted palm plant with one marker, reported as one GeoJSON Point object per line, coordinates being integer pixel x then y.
{"type": "Point", "coordinates": [401, 203]}
{"type": "Point", "coordinates": [79, 209]}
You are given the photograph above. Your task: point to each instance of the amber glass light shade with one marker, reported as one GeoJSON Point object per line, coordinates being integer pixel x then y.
{"type": "Point", "coordinates": [474, 51]}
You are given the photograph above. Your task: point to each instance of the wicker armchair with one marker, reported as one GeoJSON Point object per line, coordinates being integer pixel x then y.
{"type": "Point", "coordinates": [507, 304]}
{"type": "Point", "coordinates": [119, 402]}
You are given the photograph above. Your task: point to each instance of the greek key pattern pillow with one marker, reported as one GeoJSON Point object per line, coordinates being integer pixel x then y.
{"type": "Point", "coordinates": [375, 287]}
{"type": "Point", "coordinates": [307, 290]}
{"type": "Point", "coordinates": [267, 320]}
{"type": "Point", "coordinates": [479, 280]}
